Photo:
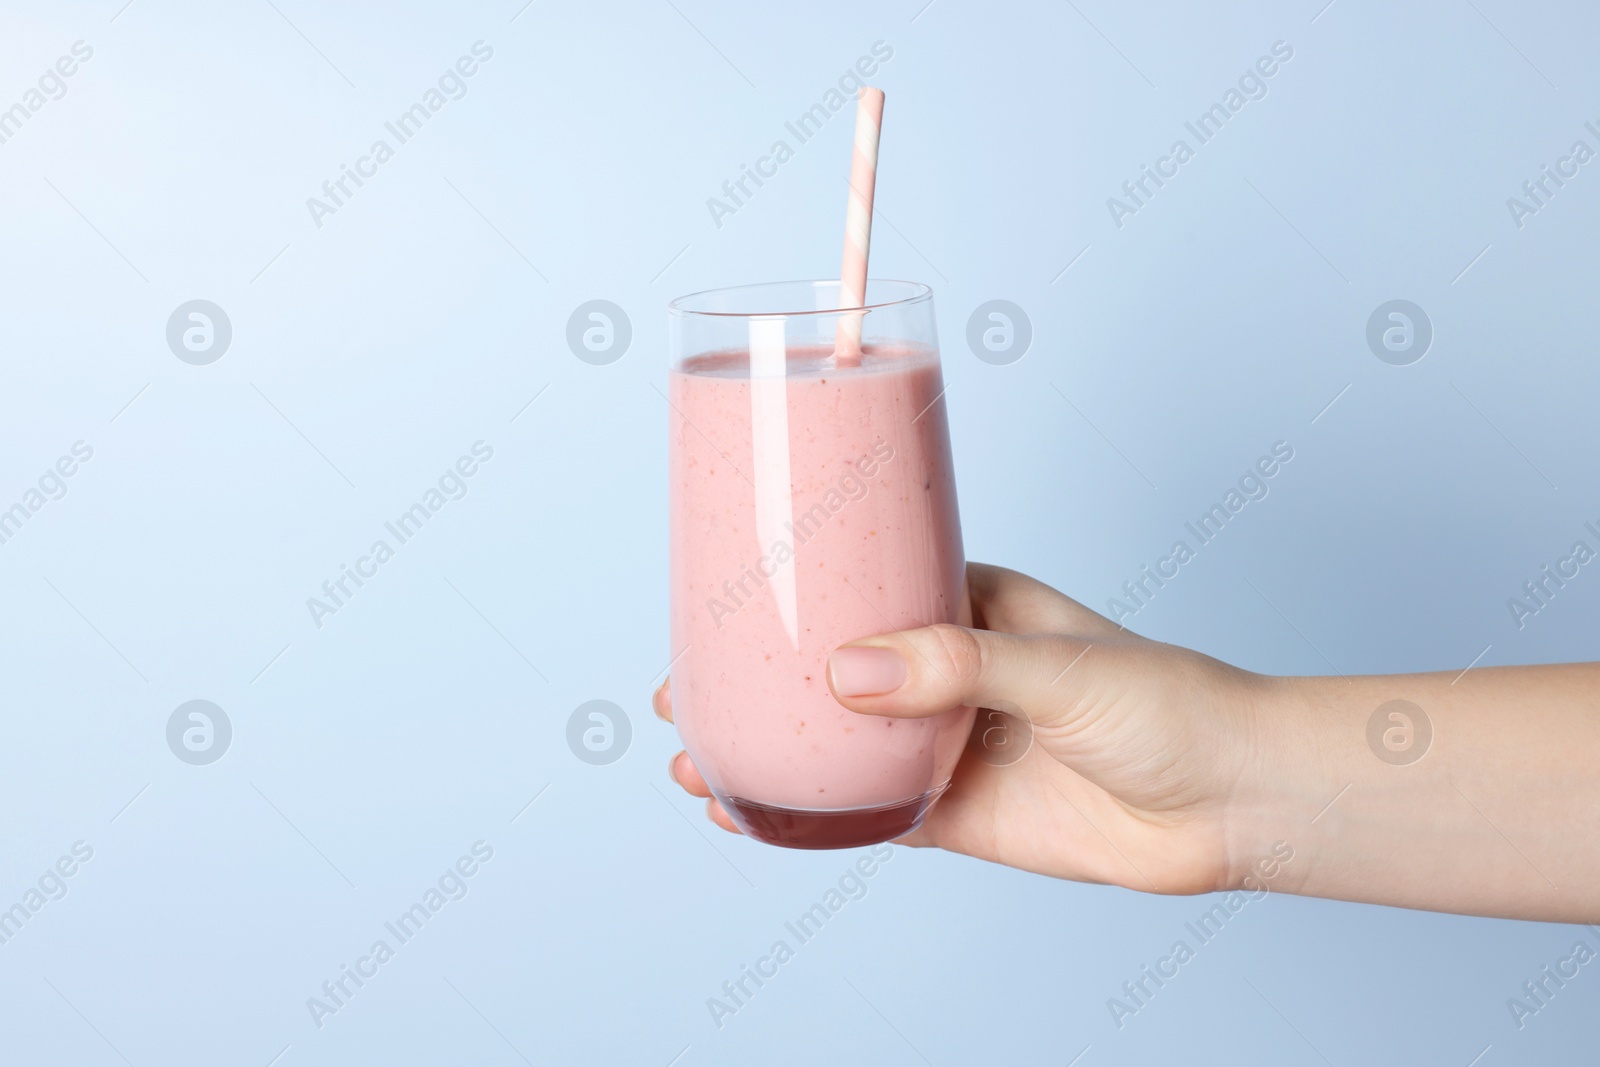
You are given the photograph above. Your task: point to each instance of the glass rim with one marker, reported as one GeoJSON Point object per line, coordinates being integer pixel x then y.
{"type": "Point", "coordinates": [919, 292]}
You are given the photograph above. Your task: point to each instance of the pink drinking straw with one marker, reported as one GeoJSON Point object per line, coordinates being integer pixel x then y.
{"type": "Point", "coordinates": [858, 224]}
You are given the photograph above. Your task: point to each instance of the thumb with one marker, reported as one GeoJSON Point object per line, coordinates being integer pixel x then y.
{"type": "Point", "coordinates": [926, 671]}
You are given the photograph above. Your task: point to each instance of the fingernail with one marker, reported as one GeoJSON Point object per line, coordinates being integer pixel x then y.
{"type": "Point", "coordinates": [865, 671]}
{"type": "Point", "coordinates": [672, 769]}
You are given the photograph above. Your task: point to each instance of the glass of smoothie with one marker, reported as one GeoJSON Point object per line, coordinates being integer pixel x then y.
{"type": "Point", "coordinates": [812, 503]}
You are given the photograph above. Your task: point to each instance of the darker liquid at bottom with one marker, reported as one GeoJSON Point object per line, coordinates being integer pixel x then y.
{"type": "Point", "coordinates": [821, 829]}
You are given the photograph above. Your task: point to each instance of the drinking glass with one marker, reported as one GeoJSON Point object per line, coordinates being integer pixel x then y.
{"type": "Point", "coordinates": [812, 503]}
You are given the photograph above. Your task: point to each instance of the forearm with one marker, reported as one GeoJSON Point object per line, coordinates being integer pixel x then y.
{"type": "Point", "coordinates": [1496, 813]}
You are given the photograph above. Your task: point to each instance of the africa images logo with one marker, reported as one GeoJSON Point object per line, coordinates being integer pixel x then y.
{"type": "Point", "coordinates": [1399, 732]}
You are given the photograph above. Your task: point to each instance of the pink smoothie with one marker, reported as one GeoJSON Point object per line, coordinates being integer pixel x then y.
{"type": "Point", "coordinates": [807, 511]}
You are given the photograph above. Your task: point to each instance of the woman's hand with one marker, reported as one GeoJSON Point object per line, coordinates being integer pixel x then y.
{"type": "Point", "coordinates": [1160, 769]}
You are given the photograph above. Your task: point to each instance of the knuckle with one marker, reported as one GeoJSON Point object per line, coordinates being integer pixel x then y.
{"type": "Point", "coordinates": [956, 653]}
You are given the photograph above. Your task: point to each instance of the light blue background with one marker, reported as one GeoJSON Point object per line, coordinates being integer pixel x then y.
{"type": "Point", "coordinates": [369, 353]}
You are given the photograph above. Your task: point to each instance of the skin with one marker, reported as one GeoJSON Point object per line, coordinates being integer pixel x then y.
{"type": "Point", "coordinates": [1160, 769]}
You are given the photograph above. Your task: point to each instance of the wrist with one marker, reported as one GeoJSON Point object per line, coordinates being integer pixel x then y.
{"type": "Point", "coordinates": [1284, 783]}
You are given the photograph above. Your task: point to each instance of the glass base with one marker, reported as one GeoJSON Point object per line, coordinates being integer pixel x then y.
{"type": "Point", "coordinates": [823, 828]}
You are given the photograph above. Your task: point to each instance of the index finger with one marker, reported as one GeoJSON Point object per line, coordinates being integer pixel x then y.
{"type": "Point", "coordinates": [1011, 602]}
